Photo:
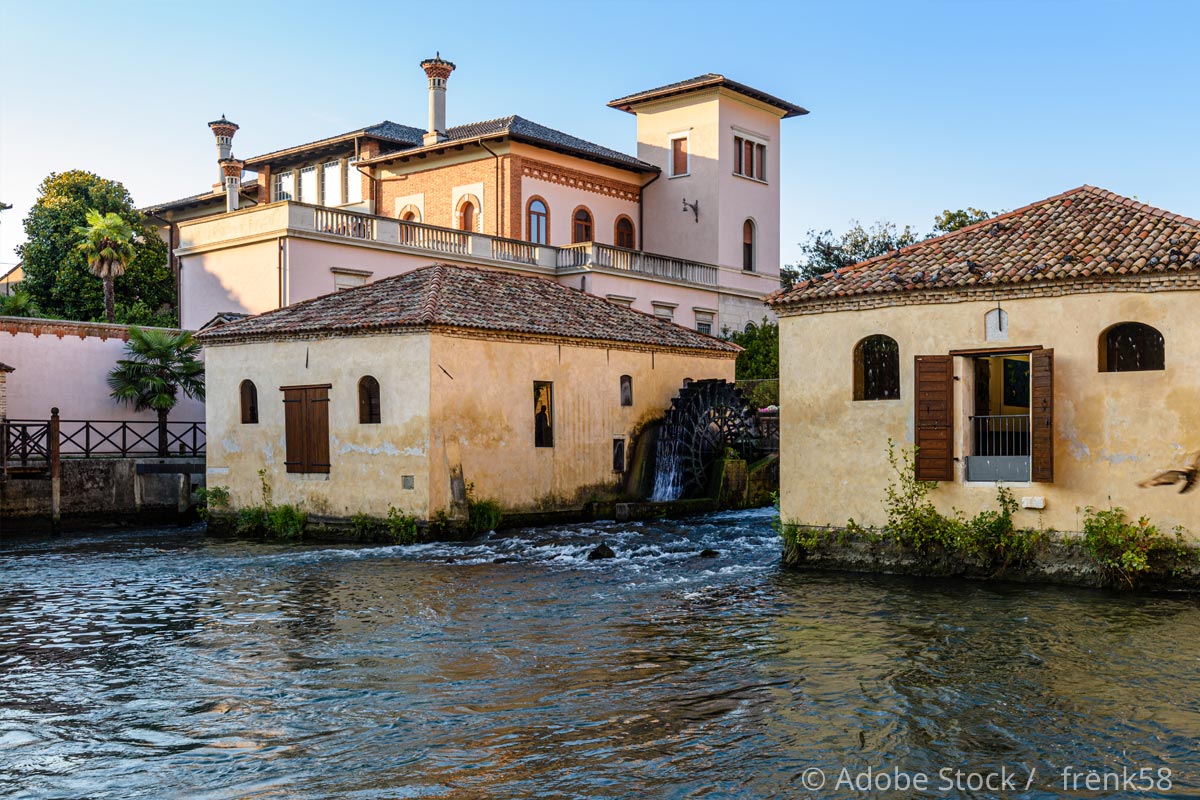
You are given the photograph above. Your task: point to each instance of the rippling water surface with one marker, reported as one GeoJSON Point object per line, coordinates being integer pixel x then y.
{"type": "Point", "coordinates": [162, 664]}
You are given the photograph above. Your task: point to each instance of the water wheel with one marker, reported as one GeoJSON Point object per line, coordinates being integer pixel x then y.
{"type": "Point", "coordinates": [706, 418]}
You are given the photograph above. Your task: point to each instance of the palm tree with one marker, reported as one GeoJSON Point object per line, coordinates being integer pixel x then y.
{"type": "Point", "coordinates": [107, 241]}
{"type": "Point", "coordinates": [18, 304]}
{"type": "Point", "coordinates": [159, 364]}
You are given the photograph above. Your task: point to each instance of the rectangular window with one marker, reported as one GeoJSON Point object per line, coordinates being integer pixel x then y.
{"type": "Point", "coordinates": [331, 183]}
{"type": "Point", "coordinates": [283, 186]}
{"type": "Point", "coordinates": [704, 323]}
{"type": "Point", "coordinates": [619, 454]}
{"type": "Point", "coordinates": [543, 414]}
{"type": "Point", "coordinates": [306, 428]}
{"type": "Point", "coordinates": [679, 156]}
{"type": "Point", "coordinates": [353, 182]}
{"type": "Point", "coordinates": [307, 191]}
{"type": "Point", "coordinates": [749, 158]}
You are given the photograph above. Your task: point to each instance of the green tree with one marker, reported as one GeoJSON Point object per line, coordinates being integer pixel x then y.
{"type": "Point", "coordinates": [157, 367]}
{"type": "Point", "coordinates": [107, 243]}
{"type": "Point", "coordinates": [759, 361]}
{"type": "Point", "coordinates": [825, 252]}
{"type": "Point", "coordinates": [56, 271]}
{"type": "Point", "coordinates": [18, 304]}
{"type": "Point", "coordinates": [949, 221]}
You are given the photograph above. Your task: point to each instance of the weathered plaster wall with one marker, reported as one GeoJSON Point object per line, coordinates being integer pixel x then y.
{"type": "Point", "coordinates": [1111, 429]}
{"type": "Point", "coordinates": [483, 415]}
{"type": "Point", "coordinates": [66, 364]}
{"type": "Point", "coordinates": [743, 198]}
{"type": "Point", "coordinates": [367, 461]}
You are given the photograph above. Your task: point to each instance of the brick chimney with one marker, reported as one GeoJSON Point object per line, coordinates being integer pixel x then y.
{"type": "Point", "coordinates": [231, 172]}
{"type": "Point", "coordinates": [224, 130]}
{"type": "Point", "coordinates": [438, 72]}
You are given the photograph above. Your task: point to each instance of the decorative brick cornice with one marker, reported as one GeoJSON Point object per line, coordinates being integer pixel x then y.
{"type": "Point", "coordinates": [62, 328]}
{"type": "Point", "coordinates": [1154, 282]}
{"type": "Point", "coordinates": [579, 180]}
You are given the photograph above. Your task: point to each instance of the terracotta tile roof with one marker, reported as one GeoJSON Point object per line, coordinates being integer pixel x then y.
{"type": "Point", "coordinates": [706, 81]}
{"type": "Point", "coordinates": [442, 295]}
{"type": "Point", "coordinates": [1084, 234]}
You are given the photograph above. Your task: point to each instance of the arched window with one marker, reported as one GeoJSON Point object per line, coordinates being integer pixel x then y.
{"type": "Point", "coordinates": [368, 401]}
{"type": "Point", "coordinates": [623, 236]}
{"type": "Point", "coordinates": [537, 221]}
{"type": "Point", "coordinates": [750, 327]}
{"type": "Point", "coordinates": [466, 217]}
{"type": "Point", "coordinates": [626, 390]}
{"type": "Point", "coordinates": [748, 237]}
{"type": "Point", "coordinates": [581, 226]}
{"type": "Point", "coordinates": [249, 396]}
{"type": "Point", "coordinates": [1131, 347]}
{"type": "Point", "coordinates": [877, 368]}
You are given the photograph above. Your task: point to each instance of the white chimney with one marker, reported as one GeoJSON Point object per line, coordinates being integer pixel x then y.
{"type": "Point", "coordinates": [438, 72]}
{"type": "Point", "coordinates": [224, 130]}
{"type": "Point", "coordinates": [231, 171]}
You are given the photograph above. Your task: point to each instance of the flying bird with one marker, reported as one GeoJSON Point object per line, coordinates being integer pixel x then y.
{"type": "Point", "coordinates": [1169, 477]}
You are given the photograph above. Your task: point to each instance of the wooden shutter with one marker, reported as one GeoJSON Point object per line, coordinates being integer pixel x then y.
{"type": "Point", "coordinates": [1042, 416]}
{"type": "Point", "coordinates": [317, 420]}
{"type": "Point", "coordinates": [306, 428]}
{"type": "Point", "coordinates": [296, 450]}
{"type": "Point", "coordinates": [934, 418]}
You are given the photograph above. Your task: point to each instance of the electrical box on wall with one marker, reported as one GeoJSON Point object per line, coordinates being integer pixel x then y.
{"type": "Point", "coordinates": [1033, 502]}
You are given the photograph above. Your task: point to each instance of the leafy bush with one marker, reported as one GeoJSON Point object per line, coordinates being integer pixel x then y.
{"type": "Point", "coordinates": [401, 527]}
{"type": "Point", "coordinates": [207, 500]}
{"type": "Point", "coordinates": [251, 520]}
{"type": "Point", "coordinates": [1127, 549]}
{"type": "Point", "coordinates": [285, 523]}
{"type": "Point", "coordinates": [483, 515]}
{"type": "Point", "coordinates": [911, 517]}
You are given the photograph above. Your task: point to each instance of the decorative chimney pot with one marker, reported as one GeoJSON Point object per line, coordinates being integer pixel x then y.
{"type": "Point", "coordinates": [231, 177]}
{"type": "Point", "coordinates": [223, 130]}
{"type": "Point", "coordinates": [438, 70]}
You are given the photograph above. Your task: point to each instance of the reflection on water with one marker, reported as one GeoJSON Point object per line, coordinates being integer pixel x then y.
{"type": "Point", "coordinates": [163, 665]}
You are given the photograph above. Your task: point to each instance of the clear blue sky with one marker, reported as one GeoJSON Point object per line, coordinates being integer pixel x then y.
{"type": "Point", "coordinates": [916, 106]}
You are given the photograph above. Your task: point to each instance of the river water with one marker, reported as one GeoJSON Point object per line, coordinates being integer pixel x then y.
{"type": "Point", "coordinates": [160, 664]}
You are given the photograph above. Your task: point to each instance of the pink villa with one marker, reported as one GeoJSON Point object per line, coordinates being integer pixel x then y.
{"type": "Point", "coordinates": [688, 230]}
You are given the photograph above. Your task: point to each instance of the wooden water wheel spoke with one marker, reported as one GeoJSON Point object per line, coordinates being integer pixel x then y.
{"type": "Point", "coordinates": [706, 419]}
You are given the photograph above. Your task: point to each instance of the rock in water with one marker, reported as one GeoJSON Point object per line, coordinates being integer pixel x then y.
{"type": "Point", "coordinates": [708, 552]}
{"type": "Point", "coordinates": [602, 551]}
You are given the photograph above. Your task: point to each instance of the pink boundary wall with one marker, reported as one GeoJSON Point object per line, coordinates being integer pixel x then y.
{"type": "Point", "coordinates": [64, 364]}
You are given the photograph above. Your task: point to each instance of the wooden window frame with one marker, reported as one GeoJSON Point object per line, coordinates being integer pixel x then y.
{"type": "Point", "coordinates": [370, 406]}
{"type": "Point", "coordinates": [750, 256]}
{"type": "Point", "coordinates": [861, 370]}
{"type": "Point", "coordinates": [591, 225]}
{"type": "Point", "coordinates": [617, 232]}
{"type": "Point", "coordinates": [626, 391]}
{"type": "Point", "coordinates": [540, 439]}
{"type": "Point", "coordinates": [1109, 355]}
{"type": "Point", "coordinates": [686, 138]}
{"type": "Point", "coordinates": [529, 214]}
{"type": "Point", "coordinates": [248, 400]}
{"type": "Point", "coordinates": [933, 417]}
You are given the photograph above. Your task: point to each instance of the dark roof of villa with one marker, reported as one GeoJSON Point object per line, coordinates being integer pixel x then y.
{"type": "Point", "coordinates": [700, 83]}
{"type": "Point", "coordinates": [525, 130]}
{"type": "Point", "coordinates": [1084, 234]}
{"type": "Point", "coordinates": [5, 367]}
{"type": "Point", "coordinates": [446, 296]}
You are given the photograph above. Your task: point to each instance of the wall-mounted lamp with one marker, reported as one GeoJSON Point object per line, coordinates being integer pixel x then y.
{"type": "Point", "coordinates": [694, 207]}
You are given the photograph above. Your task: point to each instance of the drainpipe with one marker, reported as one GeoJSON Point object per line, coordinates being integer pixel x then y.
{"type": "Point", "coordinates": [641, 205]}
{"type": "Point", "coordinates": [499, 192]}
{"type": "Point", "coordinates": [279, 242]}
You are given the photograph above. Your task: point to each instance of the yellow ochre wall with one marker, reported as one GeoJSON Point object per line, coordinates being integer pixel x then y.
{"type": "Point", "coordinates": [1111, 430]}
{"type": "Point", "coordinates": [367, 461]}
{"type": "Point", "coordinates": [445, 400]}
{"type": "Point", "coordinates": [483, 415]}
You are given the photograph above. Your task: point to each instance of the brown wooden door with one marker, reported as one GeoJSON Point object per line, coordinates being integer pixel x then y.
{"type": "Point", "coordinates": [934, 418]}
{"type": "Point", "coordinates": [306, 428]}
{"type": "Point", "coordinates": [1041, 399]}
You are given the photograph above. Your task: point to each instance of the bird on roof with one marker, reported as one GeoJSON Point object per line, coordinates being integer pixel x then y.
{"type": "Point", "coordinates": [1169, 477]}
